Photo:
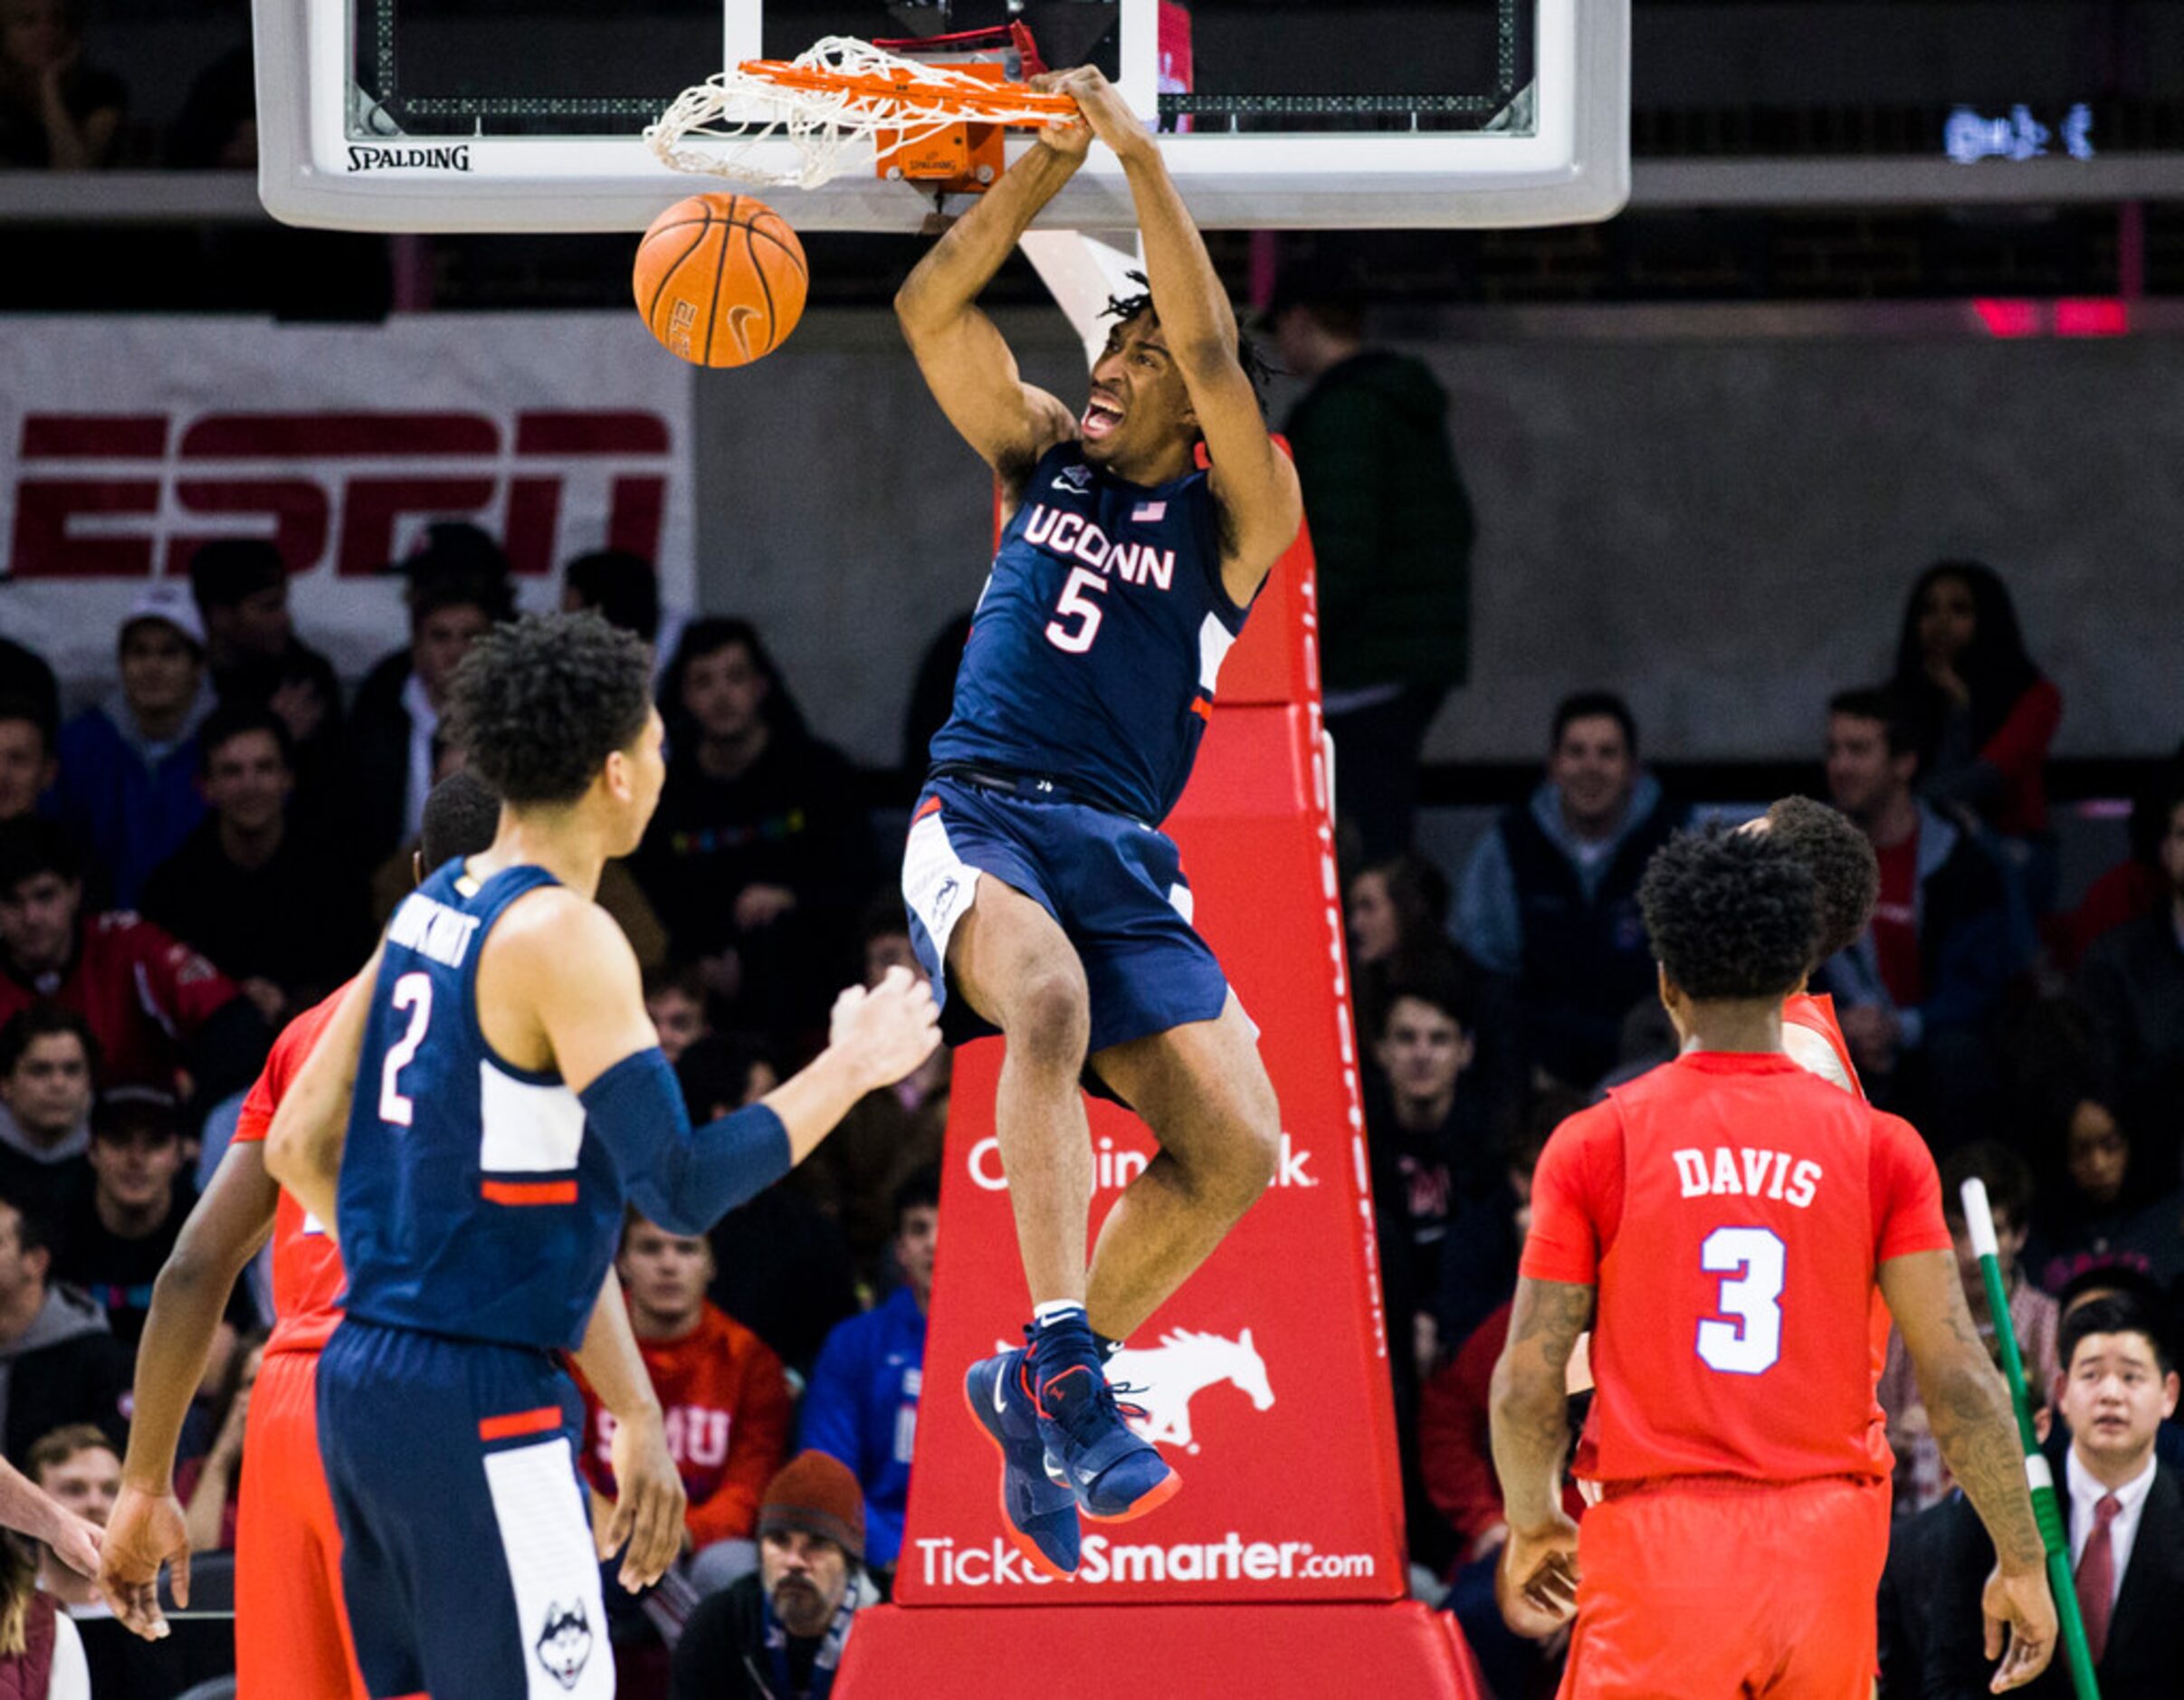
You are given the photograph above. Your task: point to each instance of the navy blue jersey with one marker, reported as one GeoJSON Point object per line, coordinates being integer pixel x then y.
{"type": "Point", "coordinates": [470, 1203]}
{"type": "Point", "coordinates": [1099, 636]}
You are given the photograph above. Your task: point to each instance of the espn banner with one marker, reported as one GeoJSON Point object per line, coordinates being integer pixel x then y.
{"type": "Point", "coordinates": [1264, 1380]}
{"type": "Point", "coordinates": [125, 443]}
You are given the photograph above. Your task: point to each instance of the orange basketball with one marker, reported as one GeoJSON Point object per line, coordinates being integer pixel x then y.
{"type": "Point", "coordinates": [720, 279]}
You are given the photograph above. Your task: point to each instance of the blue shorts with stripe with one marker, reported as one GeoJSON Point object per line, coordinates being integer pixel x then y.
{"type": "Point", "coordinates": [1114, 885]}
{"type": "Point", "coordinates": [467, 1559]}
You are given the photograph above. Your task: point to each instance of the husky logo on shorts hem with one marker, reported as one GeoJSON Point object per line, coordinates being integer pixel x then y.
{"type": "Point", "coordinates": [565, 1644]}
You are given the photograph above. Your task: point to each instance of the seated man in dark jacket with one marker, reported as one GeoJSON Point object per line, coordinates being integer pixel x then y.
{"type": "Point", "coordinates": [778, 1634]}
{"type": "Point", "coordinates": [1549, 897]}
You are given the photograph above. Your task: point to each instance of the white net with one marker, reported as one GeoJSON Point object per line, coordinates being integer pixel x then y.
{"type": "Point", "coordinates": [722, 127]}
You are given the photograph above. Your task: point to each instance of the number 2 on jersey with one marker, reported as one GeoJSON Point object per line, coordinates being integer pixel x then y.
{"type": "Point", "coordinates": [413, 992]}
{"type": "Point", "coordinates": [1076, 639]}
{"type": "Point", "coordinates": [1751, 1262]}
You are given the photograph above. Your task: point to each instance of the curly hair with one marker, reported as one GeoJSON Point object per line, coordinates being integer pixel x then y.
{"type": "Point", "coordinates": [1731, 915]}
{"type": "Point", "coordinates": [540, 703]}
{"type": "Point", "coordinates": [1846, 874]}
{"type": "Point", "coordinates": [1124, 309]}
{"type": "Point", "coordinates": [461, 818]}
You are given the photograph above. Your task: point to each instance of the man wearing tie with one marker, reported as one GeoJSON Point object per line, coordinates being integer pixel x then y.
{"type": "Point", "coordinates": [2126, 1511]}
{"type": "Point", "coordinates": [2116, 1387]}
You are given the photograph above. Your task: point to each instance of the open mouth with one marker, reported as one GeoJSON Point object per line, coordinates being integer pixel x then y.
{"type": "Point", "coordinates": [1102, 417]}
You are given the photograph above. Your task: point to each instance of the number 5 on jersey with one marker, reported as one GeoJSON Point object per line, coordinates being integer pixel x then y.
{"type": "Point", "coordinates": [1077, 638]}
{"type": "Point", "coordinates": [1750, 1261]}
{"type": "Point", "coordinates": [413, 992]}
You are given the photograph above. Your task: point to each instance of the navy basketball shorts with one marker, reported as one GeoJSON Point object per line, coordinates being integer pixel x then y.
{"type": "Point", "coordinates": [1114, 885]}
{"type": "Point", "coordinates": [467, 1559]}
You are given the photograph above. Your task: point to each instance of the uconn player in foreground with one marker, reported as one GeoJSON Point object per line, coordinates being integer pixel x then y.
{"type": "Point", "coordinates": [509, 1100]}
{"type": "Point", "coordinates": [1044, 898]}
{"type": "Point", "coordinates": [1728, 1216]}
{"type": "Point", "coordinates": [292, 1634]}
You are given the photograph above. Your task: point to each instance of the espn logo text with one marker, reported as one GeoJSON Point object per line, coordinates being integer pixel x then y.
{"type": "Point", "coordinates": [132, 495]}
{"type": "Point", "coordinates": [944, 1564]}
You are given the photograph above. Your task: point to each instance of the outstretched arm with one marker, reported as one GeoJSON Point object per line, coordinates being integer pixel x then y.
{"type": "Point", "coordinates": [1261, 504]}
{"type": "Point", "coordinates": [1968, 1404]}
{"type": "Point", "coordinates": [29, 1509]}
{"type": "Point", "coordinates": [966, 365]}
{"type": "Point", "coordinates": [584, 996]}
{"type": "Point", "coordinates": [1529, 1414]}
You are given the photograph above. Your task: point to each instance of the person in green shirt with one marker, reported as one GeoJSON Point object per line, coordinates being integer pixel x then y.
{"type": "Point", "coordinates": [1391, 525]}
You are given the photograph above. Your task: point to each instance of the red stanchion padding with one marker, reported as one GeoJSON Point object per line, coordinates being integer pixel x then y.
{"type": "Point", "coordinates": [1167, 1652]}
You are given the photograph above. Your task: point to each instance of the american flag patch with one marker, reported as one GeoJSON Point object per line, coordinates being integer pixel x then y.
{"type": "Point", "coordinates": [1146, 512]}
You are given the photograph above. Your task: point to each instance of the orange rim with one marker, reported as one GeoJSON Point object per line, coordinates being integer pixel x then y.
{"type": "Point", "coordinates": [948, 99]}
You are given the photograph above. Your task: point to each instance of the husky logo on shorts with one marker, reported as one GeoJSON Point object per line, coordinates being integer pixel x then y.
{"type": "Point", "coordinates": [565, 1644]}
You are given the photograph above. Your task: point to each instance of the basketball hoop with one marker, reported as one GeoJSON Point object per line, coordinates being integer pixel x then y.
{"type": "Point", "coordinates": [939, 123]}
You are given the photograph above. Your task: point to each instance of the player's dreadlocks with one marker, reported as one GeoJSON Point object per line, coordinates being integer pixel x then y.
{"type": "Point", "coordinates": [540, 703]}
{"type": "Point", "coordinates": [1731, 915]}
{"type": "Point", "coordinates": [1122, 309]}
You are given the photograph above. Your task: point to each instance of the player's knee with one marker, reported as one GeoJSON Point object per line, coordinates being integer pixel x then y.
{"type": "Point", "coordinates": [1246, 1157]}
{"type": "Point", "coordinates": [1049, 1020]}
{"type": "Point", "coordinates": [1259, 1148]}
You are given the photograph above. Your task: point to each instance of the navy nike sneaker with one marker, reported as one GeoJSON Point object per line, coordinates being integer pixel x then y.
{"type": "Point", "coordinates": [1114, 1476]}
{"type": "Point", "coordinates": [1041, 1516]}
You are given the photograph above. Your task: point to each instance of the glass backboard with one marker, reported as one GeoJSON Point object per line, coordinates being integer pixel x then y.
{"type": "Point", "coordinates": [515, 115]}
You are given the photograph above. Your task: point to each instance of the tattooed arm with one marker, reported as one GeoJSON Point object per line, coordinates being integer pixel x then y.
{"type": "Point", "coordinates": [1530, 1421]}
{"type": "Point", "coordinates": [1968, 1403]}
{"type": "Point", "coordinates": [1966, 1400]}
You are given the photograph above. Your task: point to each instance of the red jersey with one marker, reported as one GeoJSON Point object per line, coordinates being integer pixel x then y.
{"type": "Point", "coordinates": [1814, 1039]}
{"type": "Point", "coordinates": [725, 1400]}
{"type": "Point", "coordinates": [1732, 1211]}
{"type": "Point", "coordinates": [142, 990]}
{"type": "Point", "coordinates": [308, 1276]}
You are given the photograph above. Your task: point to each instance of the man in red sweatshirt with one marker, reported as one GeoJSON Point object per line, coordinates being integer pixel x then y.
{"type": "Point", "coordinates": [723, 1392]}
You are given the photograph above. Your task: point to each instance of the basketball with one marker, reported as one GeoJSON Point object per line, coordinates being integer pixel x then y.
{"type": "Point", "coordinates": [720, 279]}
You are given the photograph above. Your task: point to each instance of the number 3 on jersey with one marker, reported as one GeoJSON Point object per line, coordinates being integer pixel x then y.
{"type": "Point", "coordinates": [1751, 1262]}
{"type": "Point", "coordinates": [413, 992]}
{"type": "Point", "coordinates": [1077, 638]}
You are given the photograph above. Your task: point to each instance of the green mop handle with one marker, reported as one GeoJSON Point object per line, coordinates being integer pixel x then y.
{"type": "Point", "coordinates": [2055, 1536]}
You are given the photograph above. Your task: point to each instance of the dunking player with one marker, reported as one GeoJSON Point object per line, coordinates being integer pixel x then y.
{"type": "Point", "coordinates": [510, 1096]}
{"type": "Point", "coordinates": [1729, 1215]}
{"type": "Point", "coordinates": [292, 1633]}
{"type": "Point", "coordinates": [1043, 895]}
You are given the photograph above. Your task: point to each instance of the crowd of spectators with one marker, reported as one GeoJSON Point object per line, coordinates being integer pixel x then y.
{"type": "Point", "coordinates": [2039, 1048]}
{"type": "Point", "coordinates": [205, 849]}
{"type": "Point", "coordinates": [192, 858]}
